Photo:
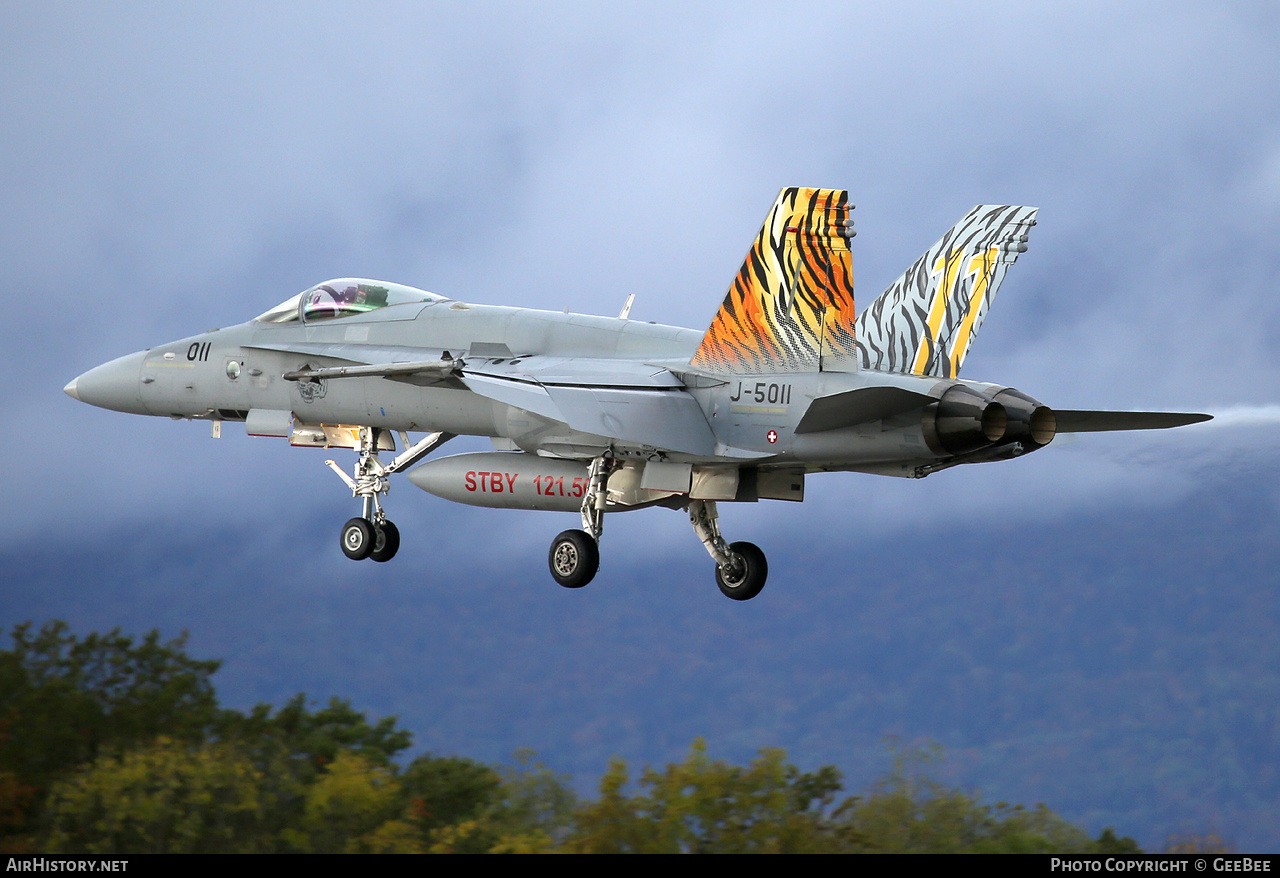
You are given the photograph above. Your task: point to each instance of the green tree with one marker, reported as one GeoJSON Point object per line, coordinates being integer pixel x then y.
{"type": "Point", "coordinates": [167, 797]}
{"type": "Point", "coordinates": [535, 810]}
{"type": "Point", "coordinates": [354, 806]}
{"type": "Point", "coordinates": [908, 811]}
{"type": "Point", "coordinates": [111, 744]}
{"type": "Point", "coordinates": [529, 811]}
{"type": "Point", "coordinates": [313, 739]}
{"type": "Point", "coordinates": [293, 748]}
{"type": "Point", "coordinates": [709, 806]}
{"type": "Point", "coordinates": [448, 790]}
{"type": "Point", "coordinates": [15, 822]}
{"type": "Point", "coordinates": [1110, 843]}
{"type": "Point", "coordinates": [65, 700]}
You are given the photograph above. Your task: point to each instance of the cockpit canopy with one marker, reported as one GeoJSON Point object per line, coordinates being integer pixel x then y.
{"type": "Point", "coordinates": [345, 297]}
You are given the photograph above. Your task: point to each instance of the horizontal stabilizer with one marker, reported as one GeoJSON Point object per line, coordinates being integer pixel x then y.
{"type": "Point", "coordinates": [859, 407]}
{"type": "Point", "coordinates": [1100, 422]}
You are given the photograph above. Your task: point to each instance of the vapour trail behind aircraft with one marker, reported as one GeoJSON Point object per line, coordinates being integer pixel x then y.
{"type": "Point", "coordinates": [598, 414]}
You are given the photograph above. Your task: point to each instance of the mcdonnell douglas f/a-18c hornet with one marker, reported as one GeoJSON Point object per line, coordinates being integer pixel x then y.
{"type": "Point", "coordinates": [598, 414]}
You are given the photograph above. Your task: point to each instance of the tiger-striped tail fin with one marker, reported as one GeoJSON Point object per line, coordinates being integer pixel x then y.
{"type": "Point", "coordinates": [790, 309]}
{"type": "Point", "coordinates": [926, 321]}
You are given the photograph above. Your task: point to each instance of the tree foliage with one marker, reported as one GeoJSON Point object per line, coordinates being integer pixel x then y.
{"type": "Point", "coordinates": [709, 806]}
{"type": "Point", "coordinates": [353, 807]}
{"type": "Point", "coordinates": [313, 739]}
{"type": "Point", "coordinates": [167, 797]}
{"type": "Point", "coordinates": [66, 701]}
{"type": "Point", "coordinates": [703, 805]}
{"type": "Point", "coordinates": [113, 745]}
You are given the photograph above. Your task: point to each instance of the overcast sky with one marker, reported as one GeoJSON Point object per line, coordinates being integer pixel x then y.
{"type": "Point", "coordinates": [172, 168]}
{"type": "Point", "coordinates": [167, 168]}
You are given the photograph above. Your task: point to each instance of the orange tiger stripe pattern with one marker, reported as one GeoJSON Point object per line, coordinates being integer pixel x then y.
{"type": "Point", "coordinates": [791, 307]}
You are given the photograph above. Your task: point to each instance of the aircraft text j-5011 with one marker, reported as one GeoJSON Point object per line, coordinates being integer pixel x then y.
{"type": "Point", "coordinates": [763, 392]}
{"type": "Point", "coordinates": [591, 415]}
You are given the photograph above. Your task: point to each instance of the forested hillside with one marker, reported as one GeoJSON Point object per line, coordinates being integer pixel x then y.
{"type": "Point", "coordinates": [117, 744]}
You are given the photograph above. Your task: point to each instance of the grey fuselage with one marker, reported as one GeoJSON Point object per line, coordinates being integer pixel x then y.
{"type": "Point", "coordinates": [559, 384]}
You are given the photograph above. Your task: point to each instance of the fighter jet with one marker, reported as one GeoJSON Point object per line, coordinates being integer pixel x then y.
{"type": "Point", "coordinates": [607, 414]}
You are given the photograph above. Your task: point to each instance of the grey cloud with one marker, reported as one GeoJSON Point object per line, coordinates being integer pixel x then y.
{"type": "Point", "coordinates": [178, 169]}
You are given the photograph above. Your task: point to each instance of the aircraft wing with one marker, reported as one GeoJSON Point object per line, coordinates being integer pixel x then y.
{"type": "Point", "coordinates": [626, 400]}
{"type": "Point", "coordinates": [663, 419]}
{"type": "Point", "coordinates": [528, 395]}
{"type": "Point", "coordinates": [629, 401]}
{"type": "Point", "coordinates": [1098, 422]}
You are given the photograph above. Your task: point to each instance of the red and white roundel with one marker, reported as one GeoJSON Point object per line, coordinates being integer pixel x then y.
{"type": "Point", "coordinates": [772, 437]}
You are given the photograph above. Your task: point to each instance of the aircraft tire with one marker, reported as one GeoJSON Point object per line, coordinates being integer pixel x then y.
{"type": "Point", "coordinates": [574, 558]}
{"type": "Point", "coordinates": [357, 539]}
{"type": "Point", "coordinates": [386, 542]}
{"type": "Point", "coordinates": [754, 574]}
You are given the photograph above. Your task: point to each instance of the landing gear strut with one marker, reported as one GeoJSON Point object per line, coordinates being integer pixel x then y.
{"type": "Point", "coordinates": [373, 535]}
{"type": "Point", "coordinates": [575, 554]}
{"type": "Point", "coordinates": [741, 568]}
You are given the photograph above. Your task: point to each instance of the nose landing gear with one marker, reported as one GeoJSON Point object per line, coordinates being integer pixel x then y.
{"type": "Point", "coordinates": [357, 538]}
{"type": "Point", "coordinates": [373, 535]}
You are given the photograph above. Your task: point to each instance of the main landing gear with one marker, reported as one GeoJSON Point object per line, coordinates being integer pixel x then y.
{"type": "Point", "coordinates": [741, 568]}
{"type": "Point", "coordinates": [575, 554]}
{"type": "Point", "coordinates": [373, 535]}
{"type": "Point", "coordinates": [574, 558]}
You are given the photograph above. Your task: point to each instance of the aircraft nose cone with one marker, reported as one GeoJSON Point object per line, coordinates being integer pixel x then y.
{"type": "Point", "coordinates": [113, 385]}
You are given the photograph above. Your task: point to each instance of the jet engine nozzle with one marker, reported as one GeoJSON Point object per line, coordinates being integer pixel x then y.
{"type": "Point", "coordinates": [964, 421]}
{"type": "Point", "coordinates": [1031, 422]}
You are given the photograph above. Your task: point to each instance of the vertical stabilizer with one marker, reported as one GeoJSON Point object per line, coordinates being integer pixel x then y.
{"type": "Point", "coordinates": [926, 321]}
{"type": "Point", "coordinates": [790, 309]}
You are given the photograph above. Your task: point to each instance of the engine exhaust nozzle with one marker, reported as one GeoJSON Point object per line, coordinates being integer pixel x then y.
{"type": "Point", "coordinates": [964, 421]}
{"type": "Point", "coordinates": [1031, 422]}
